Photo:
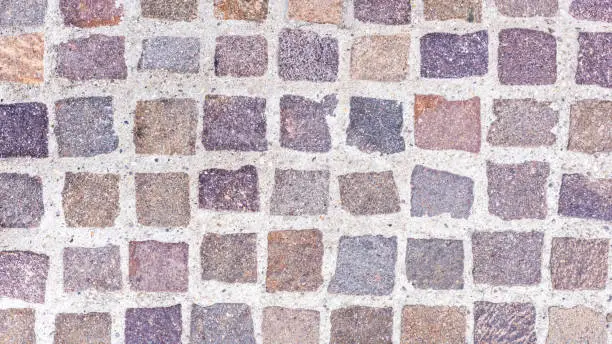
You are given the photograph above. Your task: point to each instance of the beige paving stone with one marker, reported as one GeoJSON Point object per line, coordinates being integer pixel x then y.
{"type": "Point", "coordinates": [21, 58]}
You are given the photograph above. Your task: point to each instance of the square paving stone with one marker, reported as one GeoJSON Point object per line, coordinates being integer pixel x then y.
{"type": "Point", "coordinates": [229, 190]}
{"type": "Point", "coordinates": [166, 126]}
{"type": "Point", "coordinates": [286, 325]}
{"type": "Point", "coordinates": [21, 57]}
{"type": "Point", "coordinates": [23, 275]}
{"type": "Point", "coordinates": [375, 125]}
{"type": "Point", "coordinates": [504, 323]}
{"type": "Point", "coordinates": [468, 10]}
{"type": "Point", "coordinates": [230, 258]}
{"type": "Point", "coordinates": [90, 199]}
{"type": "Point", "coordinates": [435, 263]}
{"type": "Point", "coordinates": [452, 56]}
{"type": "Point", "coordinates": [369, 193]}
{"type": "Point", "coordinates": [23, 12]}
{"type": "Point", "coordinates": [159, 266]}
{"type": "Point", "coordinates": [171, 54]}
{"type": "Point", "coordinates": [433, 325]}
{"type": "Point", "coordinates": [579, 264]}
{"type": "Point", "coordinates": [162, 199]}
{"type": "Point", "coordinates": [522, 123]}
{"type": "Point", "coordinates": [518, 191]}
{"type": "Point", "coordinates": [92, 58]}
{"type": "Point", "coordinates": [527, 57]}
{"type": "Point", "coordinates": [177, 10]}
{"type": "Point", "coordinates": [300, 193]}
{"type": "Point", "coordinates": [307, 56]}
{"type": "Point", "coordinates": [254, 10]}
{"type": "Point", "coordinates": [295, 260]}
{"type": "Point", "coordinates": [585, 197]}
{"type": "Point", "coordinates": [153, 325]}
{"type": "Point", "coordinates": [357, 324]}
{"type": "Point", "coordinates": [21, 200]}
{"type": "Point", "coordinates": [84, 126]}
{"type": "Point", "coordinates": [316, 11]}
{"type": "Point", "coordinates": [303, 123]}
{"type": "Point", "coordinates": [380, 58]}
{"type": "Point", "coordinates": [386, 12]}
{"type": "Point", "coordinates": [590, 126]}
{"type": "Point", "coordinates": [88, 328]}
{"type": "Point", "coordinates": [234, 123]}
{"type": "Point", "coordinates": [241, 56]}
{"type": "Point", "coordinates": [222, 323]}
{"type": "Point", "coordinates": [17, 326]}
{"type": "Point", "coordinates": [23, 130]}
{"type": "Point", "coordinates": [97, 268]}
{"type": "Point", "coordinates": [365, 266]}
{"type": "Point", "coordinates": [594, 57]}
{"type": "Point", "coordinates": [528, 8]}
{"type": "Point", "coordinates": [595, 10]}
{"type": "Point", "coordinates": [579, 324]}
{"type": "Point", "coordinates": [441, 124]}
{"type": "Point", "coordinates": [436, 192]}
{"type": "Point", "coordinates": [507, 258]}
{"type": "Point", "coordinates": [90, 14]}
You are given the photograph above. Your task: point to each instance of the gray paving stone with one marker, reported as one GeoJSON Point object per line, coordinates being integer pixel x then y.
{"type": "Point", "coordinates": [230, 258]}
{"type": "Point", "coordinates": [522, 123]}
{"type": "Point", "coordinates": [375, 125]}
{"type": "Point", "coordinates": [369, 193]}
{"type": "Point", "coordinates": [241, 56]}
{"type": "Point", "coordinates": [172, 54]}
{"type": "Point", "coordinates": [222, 323]}
{"type": "Point", "coordinates": [584, 197]}
{"type": "Point", "coordinates": [358, 324]}
{"type": "Point", "coordinates": [21, 200]}
{"type": "Point", "coordinates": [97, 268]}
{"type": "Point", "coordinates": [300, 193]}
{"type": "Point", "coordinates": [22, 12]}
{"type": "Point", "coordinates": [304, 123]}
{"type": "Point", "coordinates": [435, 263]}
{"type": "Point", "coordinates": [153, 325]}
{"type": "Point", "coordinates": [23, 275]}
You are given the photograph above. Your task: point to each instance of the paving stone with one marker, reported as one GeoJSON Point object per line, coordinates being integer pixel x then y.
{"type": "Point", "coordinates": [96, 268]}
{"type": "Point", "coordinates": [230, 258]}
{"type": "Point", "coordinates": [452, 56]}
{"type": "Point", "coordinates": [507, 258]}
{"type": "Point", "coordinates": [295, 259]}
{"type": "Point", "coordinates": [241, 56]}
{"type": "Point", "coordinates": [522, 123]}
{"type": "Point", "coordinates": [369, 193]}
{"type": "Point", "coordinates": [596, 10]}
{"type": "Point", "coordinates": [375, 125]}
{"type": "Point", "coordinates": [90, 199]}
{"type": "Point", "coordinates": [307, 56]}
{"type": "Point", "coordinates": [88, 328]}
{"type": "Point", "coordinates": [468, 10]}
{"type": "Point", "coordinates": [528, 8]}
{"type": "Point", "coordinates": [594, 57]}
{"type": "Point", "coordinates": [300, 193]}
{"type": "Point", "coordinates": [162, 199]}
{"type": "Point", "coordinates": [23, 275]}
{"type": "Point", "coordinates": [527, 57]}
{"type": "Point", "coordinates": [229, 190]}
{"type": "Point", "coordinates": [380, 58]}
{"type": "Point", "coordinates": [591, 126]}
{"type": "Point", "coordinates": [441, 124]}
{"type": "Point", "coordinates": [234, 123]}
{"type": "Point", "coordinates": [504, 323]}
{"type": "Point", "coordinates": [579, 264]}
{"type": "Point", "coordinates": [84, 126]}
{"type": "Point", "coordinates": [153, 325]}
{"type": "Point", "coordinates": [365, 266]}
{"type": "Point", "coordinates": [386, 12]}
{"type": "Point", "coordinates": [585, 197]}
{"type": "Point", "coordinates": [90, 14]}
{"type": "Point", "coordinates": [357, 324]}
{"type": "Point", "coordinates": [222, 323]}
{"type": "Point", "coordinates": [518, 191]}
{"type": "Point", "coordinates": [286, 325]}
{"type": "Point", "coordinates": [579, 324]}
{"type": "Point", "coordinates": [316, 11]}
{"type": "Point", "coordinates": [158, 266]}
{"type": "Point", "coordinates": [166, 126]}
{"type": "Point", "coordinates": [23, 12]}
{"type": "Point", "coordinates": [21, 57]}
{"type": "Point", "coordinates": [171, 54]}
{"type": "Point", "coordinates": [254, 10]}
{"type": "Point", "coordinates": [178, 10]}
{"type": "Point", "coordinates": [21, 200]}
{"type": "Point", "coordinates": [303, 123]}
{"type": "Point", "coordinates": [17, 326]}
{"type": "Point", "coordinates": [436, 192]}
{"type": "Point", "coordinates": [432, 325]}
{"type": "Point", "coordinates": [435, 263]}
{"type": "Point", "coordinates": [92, 58]}
{"type": "Point", "coordinates": [23, 130]}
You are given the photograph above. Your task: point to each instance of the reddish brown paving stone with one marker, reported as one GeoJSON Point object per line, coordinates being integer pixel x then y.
{"type": "Point", "coordinates": [357, 324]}
{"type": "Point", "coordinates": [286, 325]}
{"type": "Point", "coordinates": [380, 58]}
{"type": "Point", "coordinates": [230, 258]}
{"type": "Point", "coordinates": [579, 264]}
{"type": "Point", "coordinates": [23, 130]}
{"type": "Point", "coordinates": [432, 325]}
{"type": "Point", "coordinates": [92, 58]}
{"type": "Point", "coordinates": [229, 190]}
{"type": "Point", "coordinates": [158, 266]}
{"type": "Point", "coordinates": [451, 56]}
{"type": "Point", "coordinates": [21, 58]}
{"type": "Point", "coordinates": [162, 199]}
{"type": "Point", "coordinates": [254, 10]}
{"type": "Point", "coordinates": [504, 323]}
{"type": "Point", "coordinates": [90, 13]}
{"type": "Point", "coordinates": [222, 323]}
{"type": "Point", "coordinates": [305, 55]}
{"type": "Point", "coordinates": [170, 54]}
{"type": "Point", "coordinates": [578, 324]}
{"type": "Point", "coordinates": [585, 197]}
{"type": "Point", "coordinates": [522, 123]}
{"type": "Point", "coordinates": [527, 57]}
{"type": "Point", "coordinates": [23, 275]}
{"type": "Point", "coordinates": [88, 328]}
{"type": "Point", "coordinates": [594, 55]}
{"type": "Point", "coordinates": [90, 199]}
{"type": "Point", "coordinates": [300, 193]}
{"type": "Point", "coordinates": [435, 263]}
{"type": "Point", "coordinates": [21, 200]}
{"type": "Point", "coordinates": [369, 193]}
{"type": "Point", "coordinates": [386, 12]}
{"type": "Point", "coordinates": [23, 13]}
{"type": "Point", "coordinates": [241, 56]}
{"type": "Point", "coordinates": [591, 126]}
{"type": "Point", "coordinates": [595, 10]}
{"type": "Point", "coordinates": [96, 268]}
{"type": "Point", "coordinates": [376, 125]}
{"type": "Point", "coordinates": [304, 125]}
{"type": "Point", "coordinates": [17, 326]}
{"type": "Point", "coordinates": [468, 10]}
{"type": "Point", "coordinates": [175, 10]}
{"type": "Point", "coordinates": [295, 260]}
{"type": "Point", "coordinates": [316, 11]}
{"type": "Point", "coordinates": [528, 8]}
{"type": "Point", "coordinates": [153, 325]}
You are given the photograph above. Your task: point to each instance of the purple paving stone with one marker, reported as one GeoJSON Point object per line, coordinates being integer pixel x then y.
{"type": "Point", "coordinates": [23, 275]}
{"type": "Point", "coordinates": [375, 125]}
{"type": "Point", "coordinates": [222, 323]}
{"type": "Point", "coordinates": [387, 12]}
{"type": "Point", "coordinates": [527, 57]}
{"type": "Point", "coordinates": [304, 125]}
{"type": "Point", "coordinates": [308, 56]}
{"type": "Point", "coordinates": [91, 58]}
{"type": "Point", "coordinates": [229, 190]}
{"type": "Point", "coordinates": [22, 12]}
{"type": "Point", "coordinates": [153, 325]}
{"type": "Point", "coordinates": [23, 130]}
{"type": "Point", "coordinates": [447, 55]}
{"type": "Point", "coordinates": [596, 10]}
{"type": "Point", "coordinates": [595, 59]}
{"type": "Point", "coordinates": [21, 200]}
{"type": "Point", "coordinates": [585, 197]}
{"type": "Point", "coordinates": [241, 56]}
{"type": "Point", "coordinates": [172, 54]}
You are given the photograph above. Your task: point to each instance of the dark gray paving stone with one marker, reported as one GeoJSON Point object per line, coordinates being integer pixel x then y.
{"type": "Point", "coordinates": [96, 268]}
{"type": "Point", "coordinates": [230, 258]}
{"type": "Point", "coordinates": [504, 323]}
{"type": "Point", "coordinates": [527, 57]}
{"type": "Point", "coordinates": [304, 125]}
{"type": "Point", "coordinates": [375, 125]}
{"type": "Point", "coordinates": [21, 200]}
{"type": "Point", "coordinates": [308, 56]}
{"type": "Point", "coordinates": [159, 266]}
{"type": "Point", "coordinates": [369, 193]}
{"type": "Point", "coordinates": [153, 325]}
{"type": "Point", "coordinates": [229, 190]}
{"type": "Point", "coordinates": [23, 130]}
{"type": "Point", "coordinates": [88, 328]}
{"type": "Point", "coordinates": [99, 13]}
{"type": "Point", "coordinates": [222, 323]}
{"type": "Point", "coordinates": [596, 10]}
{"type": "Point", "coordinates": [358, 324]}
{"type": "Point", "coordinates": [177, 10]}
{"type": "Point", "coordinates": [22, 12]}
{"type": "Point", "coordinates": [23, 275]}
{"type": "Point", "coordinates": [579, 264]}
{"type": "Point", "coordinates": [447, 55]}
{"type": "Point", "coordinates": [522, 123]}
{"type": "Point", "coordinates": [387, 12]}
{"type": "Point", "coordinates": [241, 56]}
{"type": "Point", "coordinates": [435, 263]}
{"type": "Point", "coordinates": [594, 57]}
{"type": "Point", "coordinates": [300, 193]}
{"type": "Point", "coordinates": [92, 58]}
{"type": "Point", "coordinates": [172, 54]}
{"type": "Point", "coordinates": [584, 197]}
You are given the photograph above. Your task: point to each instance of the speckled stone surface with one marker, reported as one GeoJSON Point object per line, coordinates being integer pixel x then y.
{"type": "Point", "coordinates": [357, 324]}
{"type": "Point", "coordinates": [304, 123]}
{"type": "Point", "coordinates": [73, 328]}
{"type": "Point", "coordinates": [375, 125]}
{"type": "Point", "coordinates": [306, 55]}
{"type": "Point", "coordinates": [380, 58]}
{"type": "Point", "coordinates": [17, 326]}
{"type": "Point", "coordinates": [162, 199]}
{"type": "Point", "coordinates": [594, 57]}
{"type": "Point", "coordinates": [170, 10]}
{"type": "Point", "coordinates": [230, 258]}
{"type": "Point", "coordinates": [468, 10]}
{"type": "Point", "coordinates": [172, 54]}
{"type": "Point", "coordinates": [252, 10]}
{"type": "Point", "coordinates": [153, 325]}
{"type": "Point", "coordinates": [369, 193]}
{"type": "Point", "coordinates": [23, 130]}
{"type": "Point", "coordinates": [387, 12]}
{"type": "Point", "coordinates": [284, 325]}
{"type": "Point", "coordinates": [91, 13]}
{"type": "Point", "coordinates": [447, 55]}
{"type": "Point", "coordinates": [241, 56]}
{"type": "Point", "coordinates": [316, 11]}
{"type": "Point", "coordinates": [92, 58]}
{"type": "Point", "coordinates": [522, 123]}
{"type": "Point", "coordinates": [97, 268]}
{"type": "Point", "coordinates": [595, 10]}
{"type": "Point", "coordinates": [21, 200]}
{"type": "Point", "coordinates": [222, 323]}
{"type": "Point", "coordinates": [23, 275]}
{"type": "Point", "coordinates": [527, 57]}
{"type": "Point", "coordinates": [584, 197]}
{"type": "Point", "coordinates": [300, 193]}
{"type": "Point", "coordinates": [435, 263]}
{"type": "Point", "coordinates": [158, 266]}
{"type": "Point", "coordinates": [22, 12]}
{"type": "Point", "coordinates": [579, 264]}
{"type": "Point", "coordinates": [590, 126]}
{"type": "Point", "coordinates": [504, 323]}
{"type": "Point", "coordinates": [90, 199]}
{"type": "Point", "coordinates": [229, 190]}
{"type": "Point", "coordinates": [575, 325]}
{"type": "Point", "coordinates": [431, 325]}
{"type": "Point", "coordinates": [527, 8]}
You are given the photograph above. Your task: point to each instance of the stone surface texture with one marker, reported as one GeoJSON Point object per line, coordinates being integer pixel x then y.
{"type": "Point", "coordinates": [316, 11]}
{"type": "Point", "coordinates": [172, 54]}
{"type": "Point", "coordinates": [94, 57]}
{"type": "Point", "coordinates": [304, 123]}
{"type": "Point", "coordinates": [23, 130]}
{"type": "Point", "coordinates": [229, 190]}
{"type": "Point", "coordinates": [162, 199]}
{"type": "Point", "coordinates": [385, 12]}
{"type": "Point", "coordinates": [431, 325]}
{"type": "Point", "coordinates": [451, 56]}
{"type": "Point", "coordinates": [369, 193]}
{"type": "Point", "coordinates": [522, 123]}
{"type": "Point", "coordinates": [584, 197]}
{"type": "Point", "coordinates": [468, 10]}
{"type": "Point", "coordinates": [84, 14]}
{"type": "Point", "coordinates": [23, 275]}
{"type": "Point", "coordinates": [437, 192]}
{"type": "Point", "coordinates": [287, 325]}
{"type": "Point", "coordinates": [21, 57]}
{"type": "Point", "coordinates": [222, 323]}
{"type": "Point", "coordinates": [380, 58]}
{"type": "Point", "coordinates": [300, 193]}
{"type": "Point", "coordinates": [594, 57]}
{"type": "Point", "coordinates": [90, 199]}
{"type": "Point", "coordinates": [307, 56]}
{"type": "Point", "coordinates": [594, 10]}
{"type": "Point", "coordinates": [576, 325]}
{"type": "Point", "coordinates": [230, 258]}
{"type": "Point", "coordinates": [153, 325]}
{"type": "Point", "coordinates": [375, 125]}
{"type": "Point", "coordinates": [579, 264]}
{"type": "Point", "coordinates": [241, 56]}
{"type": "Point", "coordinates": [591, 126]}
{"type": "Point", "coordinates": [527, 8]}
{"type": "Point", "coordinates": [72, 328]}
{"type": "Point", "coordinates": [158, 267]}
{"type": "Point", "coordinates": [505, 323]}
{"type": "Point", "coordinates": [359, 324]}
{"type": "Point", "coordinates": [21, 200]}
{"type": "Point", "coordinates": [435, 263]}
{"type": "Point", "coordinates": [97, 268]}
{"type": "Point", "coordinates": [527, 57]}
{"type": "Point", "coordinates": [17, 326]}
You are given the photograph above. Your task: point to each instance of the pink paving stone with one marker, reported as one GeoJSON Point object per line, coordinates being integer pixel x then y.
{"type": "Point", "coordinates": [159, 325]}
{"type": "Point", "coordinates": [23, 275]}
{"type": "Point", "coordinates": [596, 10]}
{"type": "Point", "coordinates": [527, 57]}
{"type": "Point", "coordinates": [241, 56]}
{"type": "Point", "coordinates": [386, 12]}
{"type": "Point", "coordinates": [21, 200]}
{"type": "Point", "coordinates": [229, 190]}
{"type": "Point", "coordinates": [158, 266]}
{"type": "Point", "coordinates": [585, 197]}
{"type": "Point", "coordinates": [96, 268]}
{"type": "Point", "coordinates": [287, 325]}
{"type": "Point", "coordinates": [92, 58]}
{"type": "Point", "coordinates": [17, 326]}
{"type": "Point", "coordinates": [594, 56]}
{"type": "Point", "coordinates": [90, 13]}
{"type": "Point", "coordinates": [22, 58]}
{"type": "Point", "coordinates": [528, 8]}
{"type": "Point", "coordinates": [88, 328]}
{"type": "Point", "coordinates": [522, 123]}
{"type": "Point", "coordinates": [316, 11]}
{"type": "Point", "coordinates": [230, 258]}
{"type": "Point", "coordinates": [579, 264]}
{"type": "Point", "coordinates": [591, 126]}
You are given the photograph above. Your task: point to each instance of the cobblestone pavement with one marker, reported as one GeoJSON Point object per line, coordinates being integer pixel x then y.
{"type": "Point", "coordinates": [305, 171]}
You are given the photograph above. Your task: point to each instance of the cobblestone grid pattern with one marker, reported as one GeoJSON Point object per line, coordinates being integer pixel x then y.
{"type": "Point", "coordinates": [305, 171]}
